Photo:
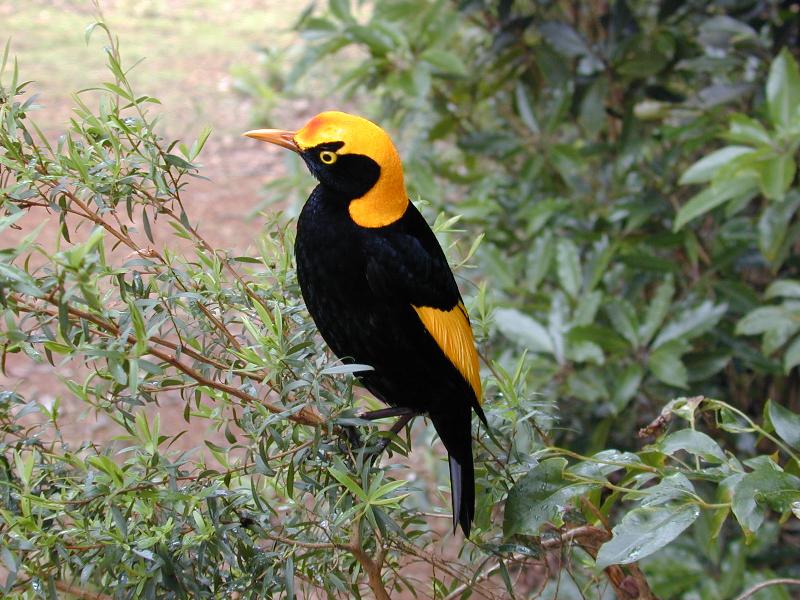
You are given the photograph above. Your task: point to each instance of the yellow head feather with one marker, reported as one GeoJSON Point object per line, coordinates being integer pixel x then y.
{"type": "Point", "coordinates": [387, 200]}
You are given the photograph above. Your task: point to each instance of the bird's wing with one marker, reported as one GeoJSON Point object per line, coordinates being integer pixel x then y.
{"type": "Point", "coordinates": [452, 332]}
{"type": "Point", "coordinates": [401, 266]}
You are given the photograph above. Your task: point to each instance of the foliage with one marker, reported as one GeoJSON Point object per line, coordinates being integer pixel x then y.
{"type": "Point", "coordinates": [605, 283]}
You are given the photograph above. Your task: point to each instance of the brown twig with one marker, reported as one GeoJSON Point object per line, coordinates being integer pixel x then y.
{"type": "Point", "coordinates": [372, 567]}
{"type": "Point", "coordinates": [763, 584]}
{"type": "Point", "coordinates": [68, 588]}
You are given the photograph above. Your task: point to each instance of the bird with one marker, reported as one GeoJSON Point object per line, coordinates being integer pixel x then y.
{"type": "Point", "coordinates": [379, 288]}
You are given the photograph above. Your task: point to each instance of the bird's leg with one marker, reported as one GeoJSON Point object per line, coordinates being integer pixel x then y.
{"type": "Point", "coordinates": [405, 415]}
{"type": "Point", "coordinates": [394, 411]}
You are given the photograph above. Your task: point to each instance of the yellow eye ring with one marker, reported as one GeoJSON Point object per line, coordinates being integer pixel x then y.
{"type": "Point", "coordinates": [328, 157]}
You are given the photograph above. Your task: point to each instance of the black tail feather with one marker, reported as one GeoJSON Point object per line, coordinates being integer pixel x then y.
{"type": "Point", "coordinates": [462, 484]}
{"type": "Point", "coordinates": [455, 432]}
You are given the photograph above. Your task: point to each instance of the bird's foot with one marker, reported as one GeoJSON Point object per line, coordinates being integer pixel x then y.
{"type": "Point", "coordinates": [405, 415]}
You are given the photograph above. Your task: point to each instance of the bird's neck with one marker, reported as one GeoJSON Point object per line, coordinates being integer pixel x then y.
{"type": "Point", "coordinates": [384, 203]}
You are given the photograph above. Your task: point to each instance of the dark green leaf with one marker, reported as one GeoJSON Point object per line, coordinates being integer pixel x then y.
{"type": "Point", "coordinates": [752, 493]}
{"type": "Point", "coordinates": [704, 169]}
{"type": "Point", "coordinates": [714, 196]}
{"type": "Point", "coordinates": [644, 531]}
{"type": "Point", "coordinates": [783, 90]}
{"type": "Point", "coordinates": [785, 422]}
{"type": "Point", "coordinates": [695, 442]}
{"type": "Point", "coordinates": [540, 497]}
{"type": "Point", "coordinates": [665, 363]}
{"type": "Point", "coordinates": [524, 330]}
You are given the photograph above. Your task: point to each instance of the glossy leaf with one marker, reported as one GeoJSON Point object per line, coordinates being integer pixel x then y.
{"type": "Point", "coordinates": [524, 330]}
{"type": "Point", "coordinates": [704, 169]}
{"type": "Point", "coordinates": [540, 497]}
{"type": "Point", "coordinates": [643, 531]}
{"type": "Point", "coordinates": [785, 422]}
{"type": "Point", "coordinates": [783, 90]}
{"type": "Point", "coordinates": [766, 485]}
{"type": "Point", "coordinates": [569, 267]}
{"type": "Point", "coordinates": [714, 196]}
{"type": "Point", "coordinates": [665, 363]}
{"type": "Point", "coordinates": [695, 442]}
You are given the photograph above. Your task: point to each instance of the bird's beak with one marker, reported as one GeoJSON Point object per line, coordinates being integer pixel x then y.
{"type": "Point", "coordinates": [280, 137]}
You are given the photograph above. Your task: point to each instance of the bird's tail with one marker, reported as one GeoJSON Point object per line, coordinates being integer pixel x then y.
{"type": "Point", "coordinates": [456, 435]}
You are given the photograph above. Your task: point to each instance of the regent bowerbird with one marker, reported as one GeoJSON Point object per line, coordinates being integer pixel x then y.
{"type": "Point", "coordinates": [378, 286]}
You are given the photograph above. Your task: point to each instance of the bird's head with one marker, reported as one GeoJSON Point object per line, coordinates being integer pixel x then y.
{"type": "Point", "coordinates": [353, 157]}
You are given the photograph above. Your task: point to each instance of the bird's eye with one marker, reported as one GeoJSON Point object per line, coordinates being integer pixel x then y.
{"type": "Point", "coordinates": [328, 157]}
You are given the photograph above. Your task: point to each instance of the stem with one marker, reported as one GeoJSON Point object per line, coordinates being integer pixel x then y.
{"type": "Point", "coordinates": [371, 566]}
{"type": "Point", "coordinates": [760, 586]}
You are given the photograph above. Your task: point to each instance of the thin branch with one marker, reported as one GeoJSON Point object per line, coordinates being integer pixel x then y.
{"type": "Point", "coordinates": [308, 415]}
{"type": "Point", "coordinates": [760, 586]}
{"type": "Point", "coordinates": [67, 588]}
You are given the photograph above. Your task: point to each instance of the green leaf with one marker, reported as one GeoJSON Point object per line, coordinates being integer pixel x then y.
{"type": "Point", "coordinates": [564, 39]}
{"type": "Point", "coordinates": [773, 227]}
{"type": "Point", "coordinates": [643, 531]}
{"type": "Point", "coordinates": [763, 319]}
{"type": "Point", "coordinates": [444, 61]}
{"type": "Point", "coordinates": [704, 169]}
{"type": "Point", "coordinates": [568, 266]}
{"type": "Point", "coordinates": [744, 129]}
{"type": "Point", "coordinates": [657, 309]}
{"type": "Point", "coordinates": [348, 483]}
{"type": "Point", "coordinates": [785, 288]}
{"type": "Point", "coordinates": [785, 422]}
{"type": "Point", "coordinates": [346, 369]}
{"type": "Point", "coordinates": [776, 175]}
{"type": "Point", "coordinates": [665, 363]}
{"type": "Point", "coordinates": [540, 497]}
{"type": "Point", "coordinates": [341, 10]}
{"type": "Point", "coordinates": [623, 318]}
{"type": "Point", "coordinates": [766, 485]}
{"type": "Point", "coordinates": [791, 357]}
{"type": "Point", "coordinates": [289, 578]}
{"type": "Point", "coordinates": [525, 109]}
{"type": "Point", "coordinates": [540, 258]}
{"type": "Point", "coordinates": [604, 463]}
{"type": "Point", "coordinates": [377, 43]}
{"type": "Point", "coordinates": [694, 442]}
{"type": "Point", "coordinates": [675, 486]}
{"type": "Point", "coordinates": [626, 384]}
{"type": "Point", "coordinates": [691, 323]}
{"type": "Point", "coordinates": [744, 186]}
{"type": "Point", "coordinates": [200, 142]}
{"type": "Point", "coordinates": [178, 162]}
{"type": "Point", "coordinates": [598, 334]}
{"type": "Point", "coordinates": [783, 90]}
{"type": "Point", "coordinates": [524, 330]}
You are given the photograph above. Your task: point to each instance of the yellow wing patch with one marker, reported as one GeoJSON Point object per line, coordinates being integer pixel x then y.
{"type": "Point", "coordinates": [453, 334]}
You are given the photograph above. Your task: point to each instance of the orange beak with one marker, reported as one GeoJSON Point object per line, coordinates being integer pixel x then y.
{"type": "Point", "coordinates": [279, 137]}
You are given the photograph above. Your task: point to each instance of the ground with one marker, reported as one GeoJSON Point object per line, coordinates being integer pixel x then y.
{"type": "Point", "coordinates": [189, 49]}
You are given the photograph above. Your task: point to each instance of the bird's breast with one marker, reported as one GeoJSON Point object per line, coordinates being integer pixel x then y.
{"type": "Point", "coordinates": [331, 269]}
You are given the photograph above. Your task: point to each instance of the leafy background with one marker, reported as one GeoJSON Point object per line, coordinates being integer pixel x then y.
{"type": "Point", "coordinates": [615, 184]}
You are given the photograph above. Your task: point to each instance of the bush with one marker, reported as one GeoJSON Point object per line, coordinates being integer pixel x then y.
{"type": "Point", "coordinates": [624, 260]}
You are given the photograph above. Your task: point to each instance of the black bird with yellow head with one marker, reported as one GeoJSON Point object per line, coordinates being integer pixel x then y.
{"type": "Point", "coordinates": [379, 288]}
